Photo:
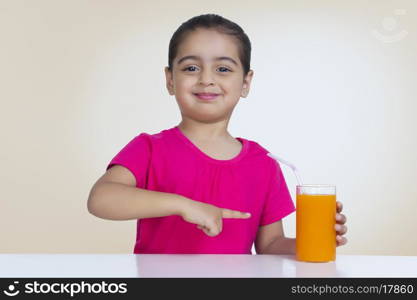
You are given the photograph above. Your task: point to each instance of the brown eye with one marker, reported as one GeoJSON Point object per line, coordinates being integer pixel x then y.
{"type": "Point", "coordinates": [223, 69]}
{"type": "Point", "coordinates": [190, 68]}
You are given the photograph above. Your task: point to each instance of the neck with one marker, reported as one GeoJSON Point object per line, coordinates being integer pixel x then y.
{"type": "Point", "coordinates": [205, 131]}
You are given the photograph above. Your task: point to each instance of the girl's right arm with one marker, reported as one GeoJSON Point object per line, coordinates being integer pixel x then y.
{"type": "Point", "coordinates": [115, 197]}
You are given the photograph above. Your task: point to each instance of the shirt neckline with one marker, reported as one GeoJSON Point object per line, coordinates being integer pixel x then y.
{"type": "Point", "coordinates": [190, 144]}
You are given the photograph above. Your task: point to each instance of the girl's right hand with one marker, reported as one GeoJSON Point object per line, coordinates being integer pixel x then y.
{"type": "Point", "coordinates": [209, 218]}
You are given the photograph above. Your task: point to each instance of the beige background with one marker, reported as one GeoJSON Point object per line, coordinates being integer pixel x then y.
{"type": "Point", "coordinates": [334, 92]}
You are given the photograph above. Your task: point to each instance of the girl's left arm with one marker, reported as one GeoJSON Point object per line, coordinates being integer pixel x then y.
{"type": "Point", "coordinates": [270, 239]}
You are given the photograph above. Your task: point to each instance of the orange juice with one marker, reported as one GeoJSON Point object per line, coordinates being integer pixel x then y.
{"type": "Point", "coordinates": [316, 235]}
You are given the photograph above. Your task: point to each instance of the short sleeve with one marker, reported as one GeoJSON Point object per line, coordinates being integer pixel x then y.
{"type": "Point", "coordinates": [278, 203]}
{"type": "Point", "coordinates": [135, 156]}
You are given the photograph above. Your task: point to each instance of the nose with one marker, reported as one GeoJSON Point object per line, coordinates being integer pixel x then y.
{"type": "Point", "coordinates": [206, 78]}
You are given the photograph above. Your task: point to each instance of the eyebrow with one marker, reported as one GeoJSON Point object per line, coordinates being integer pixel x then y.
{"type": "Point", "coordinates": [194, 57]}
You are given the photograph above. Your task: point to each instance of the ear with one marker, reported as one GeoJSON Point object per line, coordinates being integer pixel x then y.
{"type": "Point", "coordinates": [169, 81]}
{"type": "Point", "coordinates": [246, 84]}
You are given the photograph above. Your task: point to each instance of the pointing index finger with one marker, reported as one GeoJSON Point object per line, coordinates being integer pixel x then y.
{"type": "Point", "coordinates": [234, 214]}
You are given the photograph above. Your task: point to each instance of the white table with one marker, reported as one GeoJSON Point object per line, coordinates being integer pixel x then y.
{"type": "Point", "coordinates": [156, 265]}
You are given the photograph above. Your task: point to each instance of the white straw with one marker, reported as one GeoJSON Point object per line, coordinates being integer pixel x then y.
{"type": "Point", "coordinates": [287, 163]}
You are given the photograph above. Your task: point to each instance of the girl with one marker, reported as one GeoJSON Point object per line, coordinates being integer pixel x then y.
{"type": "Point", "coordinates": [194, 188]}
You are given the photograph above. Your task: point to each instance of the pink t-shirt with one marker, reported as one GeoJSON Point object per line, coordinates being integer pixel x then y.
{"type": "Point", "coordinates": [169, 162]}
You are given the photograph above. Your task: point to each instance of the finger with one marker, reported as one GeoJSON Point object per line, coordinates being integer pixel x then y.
{"type": "Point", "coordinates": [211, 232]}
{"type": "Point", "coordinates": [207, 231]}
{"type": "Point", "coordinates": [212, 229]}
{"type": "Point", "coordinates": [339, 206]}
{"type": "Point", "coordinates": [341, 218]}
{"type": "Point", "coordinates": [341, 229]}
{"type": "Point", "coordinates": [234, 214]}
{"type": "Point", "coordinates": [340, 240]}
{"type": "Point", "coordinates": [204, 228]}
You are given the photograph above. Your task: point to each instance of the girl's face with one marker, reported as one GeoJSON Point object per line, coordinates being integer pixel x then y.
{"type": "Point", "coordinates": [207, 62]}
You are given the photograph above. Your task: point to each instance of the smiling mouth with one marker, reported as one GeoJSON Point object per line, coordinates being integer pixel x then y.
{"type": "Point", "coordinates": [206, 96]}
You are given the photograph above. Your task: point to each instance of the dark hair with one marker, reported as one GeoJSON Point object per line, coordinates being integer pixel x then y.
{"type": "Point", "coordinates": [212, 21]}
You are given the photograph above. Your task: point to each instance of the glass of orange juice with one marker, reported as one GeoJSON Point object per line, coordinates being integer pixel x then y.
{"type": "Point", "coordinates": [315, 220]}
